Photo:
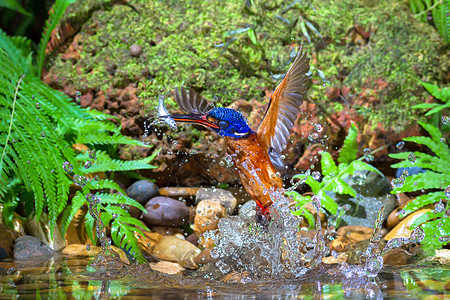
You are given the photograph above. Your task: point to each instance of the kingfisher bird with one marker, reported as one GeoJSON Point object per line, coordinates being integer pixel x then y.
{"type": "Point", "coordinates": [256, 154]}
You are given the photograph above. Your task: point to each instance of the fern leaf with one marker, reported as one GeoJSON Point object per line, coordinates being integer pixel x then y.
{"type": "Point", "coordinates": [440, 149]}
{"type": "Point", "coordinates": [328, 164]}
{"type": "Point", "coordinates": [105, 163]}
{"type": "Point", "coordinates": [422, 201]}
{"type": "Point", "coordinates": [89, 222]}
{"type": "Point", "coordinates": [427, 180]}
{"type": "Point", "coordinates": [350, 148]}
{"type": "Point", "coordinates": [123, 236]}
{"type": "Point", "coordinates": [433, 131]}
{"type": "Point", "coordinates": [119, 199]}
{"type": "Point", "coordinates": [77, 202]}
{"type": "Point", "coordinates": [104, 138]}
{"type": "Point", "coordinates": [442, 94]}
{"type": "Point", "coordinates": [55, 15]}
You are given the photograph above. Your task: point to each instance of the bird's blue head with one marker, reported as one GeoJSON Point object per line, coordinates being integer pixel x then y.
{"type": "Point", "coordinates": [229, 122]}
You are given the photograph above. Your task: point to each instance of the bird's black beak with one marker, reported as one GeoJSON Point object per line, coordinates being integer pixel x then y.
{"type": "Point", "coordinates": [197, 119]}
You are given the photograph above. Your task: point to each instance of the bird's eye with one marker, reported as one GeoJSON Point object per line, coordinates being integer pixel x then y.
{"type": "Point", "coordinates": [223, 124]}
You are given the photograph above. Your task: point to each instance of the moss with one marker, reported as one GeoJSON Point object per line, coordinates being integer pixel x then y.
{"type": "Point", "coordinates": [191, 43]}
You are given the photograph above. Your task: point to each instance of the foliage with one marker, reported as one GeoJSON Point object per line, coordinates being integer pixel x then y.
{"type": "Point", "coordinates": [442, 94]}
{"type": "Point", "coordinates": [440, 13]}
{"type": "Point", "coordinates": [435, 224]}
{"type": "Point", "coordinates": [38, 126]}
{"type": "Point", "coordinates": [333, 176]}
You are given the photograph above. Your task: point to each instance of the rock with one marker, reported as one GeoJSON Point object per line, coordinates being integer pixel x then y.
{"type": "Point", "coordinates": [402, 229]}
{"type": "Point", "coordinates": [396, 257]}
{"type": "Point", "coordinates": [342, 257]}
{"type": "Point", "coordinates": [148, 241]}
{"type": "Point", "coordinates": [223, 197]}
{"type": "Point", "coordinates": [135, 50]}
{"type": "Point", "coordinates": [164, 211]}
{"type": "Point", "coordinates": [18, 225]}
{"type": "Point", "coordinates": [355, 233]}
{"type": "Point", "coordinates": [167, 267]}
{"type": "Point", "coordinates": [208, 215]}
{"type": "Point", "coordinates": [142, 191]}
{"type": "Point", "coordinates": [340, 244]}
{"type": "Point", "coordinates": [442, 256]}
{"type": "Point", "coordinates": [82, 250]}
{"type": "Point", "coordinates": [248, 209]}
{"type": "Point", "coordinates": [236, 277]}
{"type": "Point", "coordinates": [178, 191]}
{"type": "Point", "coordinates": [41, 230]}
{"type": "Point", "coordinates": [167, 230]}
{"type": "Point", "coordinates": [192, 238]}
{"type": "Point", "coordinates": [7, 238]}
{"type": "Point", "coordinates": [203, 257]}
{"type": "Point", "coordinates": [373, 191]}
{"type": "Point", "coordinates": [177, 250]}
{"type": "Point", "coordinates": [30, 247]}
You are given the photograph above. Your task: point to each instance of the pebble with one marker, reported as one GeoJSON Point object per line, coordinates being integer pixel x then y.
{"type": "Point", "coordinates": [7, 237]}
{"type": "Point", "coordinates": [148, 241]}
{"type": "Point", "coordinates": [142, 191]}
{"type": "Point", "coordinates": [167, 267]}
{"type": "Point", "coordinates": [248, 209]}
{"type": "Point", "coordinates": [355, 233]}
{"type": "Point", "coordinates": [81, 250]}
{"type": "Point", "coordinates": [164, 211]}
{"type": "Point", "coordinates": [177, 250]}
{"type": "Point", "coordinates": [223, 197]}
{"type": "Point", "coordinates": [342, 257]}
{"type": "Point", "coordinates": [442, 256]}
{"type": "Point", "coordinates": [41, 230]}
{"type": "Point", "coordinates": [178, 191]}
{"type": "Point", "coordinates": [402, 229]}
{"type": "Point", "coordinates": [135, 50]}
{"type": "Point", "coordinates": [167, 230]}
{"type": "Point", "coordinates": [192, 238]}
{"type": "Point", "coordinates": [208, 214]}
{"type": "Point", "coordinates": [30, 247]}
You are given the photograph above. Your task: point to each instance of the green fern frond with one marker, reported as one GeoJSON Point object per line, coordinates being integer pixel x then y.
{"type": "Point", "coordinates": [56, 13]}
{"type": "Point", "coordinates": [119, 199]}
{"type": "Point", "coordinates": [104, 138]}
{"type": "Point", "coordinates": [104, 163]}
{"type": "Point", "coordinates": [123, 235]}
{"type": "Point", "coordinates": [350, 148]}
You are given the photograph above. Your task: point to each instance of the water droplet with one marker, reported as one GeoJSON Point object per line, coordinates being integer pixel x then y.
{"type": "Point", "coordinates": [92, 154]}
{"type": "Point", "coordinates": [400, 145]}
{"type": "Point", "coordinates": [223, 267]}
{"type": "Point", "coordinates": [316, 175]}
{"type": "Point", "coordinates": [359, 179]}
{"type": "Point", "coordinates": [316, 202]}
{"type": "Point", "coordinates": [38, 105]}
{"type": "Point", "coordinates": [78, 97]}
{"type": "Point", "coordinates": [417, 235]}
{"type": "Point", "coordinates": [114, 215]}
{"type": "Point", "coordinates": [11, 271]}
{"type": "Point", "coordinates": [88, 247]}
{"type": "Point", "coordinates": [313, 136]}
{"type": "Point", "coordinates": [412, 158]}
{"type": "Point", "coordinates": [67, 167]}
{"type": "Point", "coordinates": [28, 162]}
{"type": "Point", "coordinates": [397, 182]}
{"type": "Point", "coordinates": [442, 139]}
{"type": "Point", "coordinates": [88, 164]}
{"type": "Point", "coordinates": [444, 239]}
{"type": "Point", "coordinates": [445, 120]}
{"type": "Point", "coordinates": [42, 134]}
{"type": "Point", "coordinates": [447, 192]}
{"type": "Point", "coordinates": [373, 265]}
{"type": "Point", "coordinates": [14, 140]}
{"type": "Point", "coordinates": [79, 180]}
{"type": "Point", "coordinates": [439, 207]}
{"type": "Point", "coordinates": [319, 127]}
{"type": "Point", "coordinates": [32, 96]}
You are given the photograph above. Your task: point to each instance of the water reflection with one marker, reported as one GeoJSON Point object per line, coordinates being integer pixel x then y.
{"type": "Point", "coordinates": [67, 277]}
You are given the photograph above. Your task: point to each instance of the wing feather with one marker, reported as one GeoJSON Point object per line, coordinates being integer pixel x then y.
{"type": "Point", "coordinates": [192, 102]}
{"type": "Point", "coordinates": [284, 106]}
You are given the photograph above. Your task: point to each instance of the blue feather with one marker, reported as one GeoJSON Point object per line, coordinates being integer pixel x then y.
{"type": "Point", "coordinates": [237, 124]}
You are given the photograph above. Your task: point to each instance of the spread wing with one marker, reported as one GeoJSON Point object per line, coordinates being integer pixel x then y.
{"type": "Point", "coordinates": [192, 102]}
{"type": "Point", "coordinates": [283, 108]}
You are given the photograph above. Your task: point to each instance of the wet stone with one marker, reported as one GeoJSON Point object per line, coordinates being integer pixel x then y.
{"type": "Point", "coordinates": [167, 267]}
{"type": "Point", "coordinates": [177, 250]}
{"type": "Point", "coordinates": [30, 247]}
{"type": "Point", "coordinates": [373, 192]}
{"type": "Point", "coordinates": [178, 191]}
{"type": "Point", "coordinates": [164, 211]}
{"type": "Point", "coordinates": [208, 216]}
{"type": "Point", "coordinates": [402, 229]}
{"type": "Point", "coordinates": [142, 191]}
{"type": "Point", "coordinates": [248, 209]}
{"type": "Point", "coordinates": [223, 197]}
{"type": "Point", "coordinates": [135, 50]}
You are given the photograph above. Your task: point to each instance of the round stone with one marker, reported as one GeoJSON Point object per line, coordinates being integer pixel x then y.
{"type": "Point", "coordinates": [164, 211]}
{"type": "Point", "coordinates": [142, 191]}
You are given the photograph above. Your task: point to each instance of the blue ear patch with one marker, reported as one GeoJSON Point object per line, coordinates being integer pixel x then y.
{"type": "Point", "coordinates": [232, 123]}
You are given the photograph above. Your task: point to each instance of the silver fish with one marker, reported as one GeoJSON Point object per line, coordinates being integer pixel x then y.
{"type": "Point", "coordinates": [163, 114]}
